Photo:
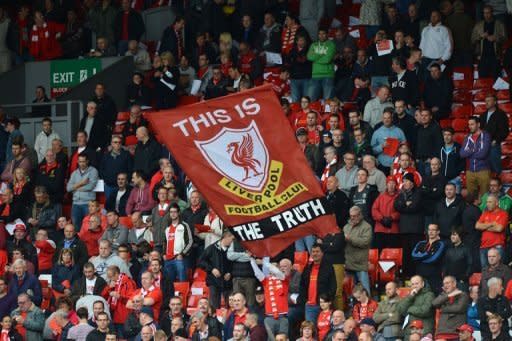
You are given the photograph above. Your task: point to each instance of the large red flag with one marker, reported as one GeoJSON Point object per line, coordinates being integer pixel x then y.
{"type": "Point", "coordinates": [241, 154]}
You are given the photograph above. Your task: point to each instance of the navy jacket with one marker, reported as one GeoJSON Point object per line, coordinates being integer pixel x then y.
{"type": "Point", "coordinates": [29, 284]}
{"type": "Point", "coordinates": [111, 166]}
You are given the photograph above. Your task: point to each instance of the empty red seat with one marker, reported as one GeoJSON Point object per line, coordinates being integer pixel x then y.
{"type": "Point", "coordinates": [123, 116]}
{"type": "Point", "coordinates": [390, 255]}
{"type": "Point", "coordinates": [460, 124]}
{"type": "Point", "coordinates": [506, 177]}
{"type": "Point", "coordinates": [463, 84]}
{"type": "Point", "coordinates": [373, 266]}
{"type": "Point", "coordinates": [503, 95]}
{"type": "Point", "coordinates": [479, 109]}
{"type": "Point", "coordinates": [182, 289]}
{"type": "Point", "coordinates": [506, 148]}
{"type": "Point", "coordinates": [462, 111]}
{"type": "Point", "coordinates": [445, 122]}
{"type": "Point", "coordinates": [199, 275]}
{"type": "Point", "coordinates": [506, 107]}
{"type": "Point", "coordinates": [483, 83]}
{"type": "Point", "coordinates": [459, 137]}
{"type": "Point", "coordinates": [480, 96]}
{"type": "Point", "coordinates": [462, 96]}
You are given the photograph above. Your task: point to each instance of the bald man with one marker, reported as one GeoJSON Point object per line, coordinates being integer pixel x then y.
{"type": "Point", "coordinates": [147, 152]}
{"type": "Point", "coordinates": [418, 306]}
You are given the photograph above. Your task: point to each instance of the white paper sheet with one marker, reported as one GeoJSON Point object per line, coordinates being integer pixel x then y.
{"type": "Point", "coordinates": [501, 84]}
{"type": "Point", "coordinates": [47, 278]}
{"type": "Point", "coordinates": [355, 34]}
{"type": "Point", "coordinates": [384, 47]}
{"type": "Point", "coordinates": [273, 58]}
{"type": "Point", "coordinates": [353, 21]}
{"type": "Point", "coordinates": [197, 291]}
{"type": "Point", "coordinates": [458, 76]}
{"type": "Point", "coordinates": [386, 265]}
{"type": "Point", "coordinates": [100, 186]}
{"type": "Point", "coordinates": [196, 85]}
{"type": "Point", "coordinates": [10, 227]}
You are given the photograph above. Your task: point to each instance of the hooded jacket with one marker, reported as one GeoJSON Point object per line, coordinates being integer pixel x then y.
{"type": "Point", "coordinates": [477, 151]}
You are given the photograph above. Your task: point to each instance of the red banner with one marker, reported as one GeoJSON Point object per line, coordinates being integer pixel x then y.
{"type": "Point", "coordinates": [240, 153]}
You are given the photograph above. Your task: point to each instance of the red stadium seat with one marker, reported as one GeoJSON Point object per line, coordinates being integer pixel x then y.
{"type": "Point", "coordinates": [130, 140]}
{"type": "Point", "coordinates": [506, 177]}
{"type": "Point", "coordinates": [506, 148]}
{"type": "Point", "coordinates": [199, 275]}
{"type": "Point", "coordinates": [403, 292]}
{"type": "Point", "coordinates": [445, 123]}
{"type": "Point", "coordinates": [118, 129]}
{"type": "Point", "coordinates": [483, 83]}
{"type": "Point", "coordinates": [373, 266]}
{"type": "Point", "coordinates": [316, 106]}
{"type": "Point", "coordinates": [198, 290]}
{"type": "Point", "coordinates": [462, 96]}
{"type": "Point", "coordinates": [123, 116]}
{"type": "Point", "coordinates": [465, 84]}
{"type": "Point", "coordinates": [480, 96]}
{"type": "Point", "coordinates": [294, 107]}
{"type": "Point", "coordinates": [459, 137]}
{"type": "Point", "coordinates": [462, 111]}
{"type": "Point", "coordinates": [503, 95]}
{"type": "Point", "coordinates": [479, 109]}
{"type": "Point", "coordinates": [475, 279]}
{"type": "Point", "coordinates": [391, 255]}
{"type": "Point", "coordinates": [460, 124]}
{"type": "Point", "coordinates": [183, 289]}
{"type": "Point", "coordinates": [506, 107]}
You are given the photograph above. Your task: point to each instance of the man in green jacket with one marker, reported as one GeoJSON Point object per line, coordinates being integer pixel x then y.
{"type": "Point", "coordinates": [387, 316]}
{"type": "Point", "coordinates": [321, 54]}
{"type": "Point", "coordinates": [418, 306]}
{"type": "Point", "coordinates": [495, 187]}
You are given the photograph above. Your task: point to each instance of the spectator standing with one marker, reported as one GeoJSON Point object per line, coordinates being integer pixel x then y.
{"type": "Point", "coordinates": [147, 152]}
{"type": "Point", "coordinates": [106, 258]}
{"type": "Point", "coordinates": [363, 195]}
{"type": "Point", "coordinates": [115, 161]}
{"type": "Point", "coordinates": [82, 147]}
{"type": "Point", "coordinates": [436, 42]}
{"type": "Point", "coordinates": [432, 189]}
{"type": "Point", "coordinates": [215, 262]}
{"type": "Point", "coordinates": [375, 107]}
{"type": "Point", "coordinates": [409, 204]}
{"type": "Point", "coordinates": [172, 38]}
{"type": "Point", "coordinates": [19, 160]}
{"type": "Point", "coordinates": [12, 126]}
{"type": "Point", "coordinates": [217, 85]}
{"type": "Point", "coordinates": [453, 304]}
{"type": "Point", "coordinates": [300, 68]}
{"type": "Point", "coordinates": [82, 328]}
{"type": "Point", "coordinates": [428, 256]}
{"type": "Point", "coordinates": [491, 304]}
{"type": "Point", "coordinates": [44, 38]}
{"type": "Point", "coordinates": [24, 282]}
{"type": "Point", "coordinates": [141, 59]}
{"type": "Point", "coordinates": [51, 175]}
{"type": "Point", "coordinates": [495, 122]}
{"type": "Point", "coordinates": [458, 261]}
{"type": "Point", "coordinates": [497, 324]}
{"type": "Point", "coordinates": [430, 141]}
{"type": "Point", "coordinates": [438, 92]}
{"type": "Point", "coordinates": [386, 316]}
{"type": "Point", "coordinates": [136, 91]}
{"type": "Point", "coordinates": [105, 107]}
{"type": "Point", "coordinates": [82, 183]}
{"type": "Point", "coordinates": [386, 217]}
{"type": "Point", "coordinates": [492, 223]}
{"type": "Point", "coordinates": [119, 197]}
{"type": "Point", "coordinates": [358, 237]}
{"type": "Point", "coordinates": [487, 39]}
{"type": "Point", "coordinates": [29, 318]}
{"type": "Point", "coordinates": [128, 26]}
{"type": "Point", "coordinates": [472, 237]}
{"type": "Point", "coordinates": [451, 162]}
{"type": "Point", "coordinates": [321, 54]}
{"type": "Point", "coordinates": [269, 36]}
{"type": "Point", "coordinates": [44, 139]}
{"type": "Point", "coordinates": [140, 199]}
{"type": "Point", "coordinates": [73, 242]}
{"type": "Point", "coordinates": [242, 274]}
{"type": "Point", "coordinates": [95, 127]}
{"type": "Point", "coordinates": [178, 242]}
{"type": "Point", "coordinates": [404, 83]}
{"type": "Point", "coordinates": [347, 175]}
{"type": "Point", "coordinates": [88, 284]}
{"type": "Point", "coordinates": [365, 306]}
{"type": "Point", "coordinates": [495, 268]}
{"type": "Point", "coordinates": [317, 278]}
{"type": "Point", "coordinates": [380, 138]}
{"type": "Point", "coordinates": [103, 20]}
{"type": "Point", "coordinates": [448, 211]}
{"type": "Point", "coordinates": [459, 23]}
{"type": "Point", "coordinates": [310, 14]}
{"type": "Point", "coordinates": [418, 306]}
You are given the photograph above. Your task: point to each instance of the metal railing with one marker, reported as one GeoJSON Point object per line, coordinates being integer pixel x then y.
{"type": "Point", "coordinates": [65, 115]}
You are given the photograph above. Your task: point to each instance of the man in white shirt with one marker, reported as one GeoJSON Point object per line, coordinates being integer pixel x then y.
{"type": "Point", "coordinates": [436, 42]}
{"type": "Point", "coordinates": [44, 139]}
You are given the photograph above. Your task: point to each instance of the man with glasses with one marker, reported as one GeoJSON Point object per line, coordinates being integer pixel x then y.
{"type": "Point", "coordinates": [100, 333]}
{"type": "Point", "coordinates": [119, 197]}
{"type": "Point", "coordinates": [115, 161]}
{"type": "Point", "coordinates": [356, 122]}
{"type": "Point", "coordinates": [29, 319]}
{"type": "Point", "coordinates": [496, 188]}
{"type": "Point", "coordinates": [347, 175]}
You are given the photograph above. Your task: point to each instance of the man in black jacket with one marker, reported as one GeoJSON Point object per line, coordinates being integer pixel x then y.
{"type": "Point", "coordinates": [448, 211]}
{"type": "Point", "coordinates": [242, 273]}
{"type": "Point", "coordinates": [430, 141]}
{"type": "Point", "coordinates": [217, 86]}
{"type": "Point", "coordinates": [71, 241]}
{"type": "Point", "coordinates": [106, 107]}
{"type": "Point", "coordinates": [451, 162]}
{"type": "Point", "coordinates": [493, 303]}
{"type": "Point", "coordinates": [122, 191]}
{"type": "Point", "coordinates": [115, 161]}
{"type": "Point", "coordinates": [88, 284]}
{"type": "Point", "coordinates": [405, 122]}
{"type": "Point", "coordinates": [147, 152]}
{"type": "Point", "coordinates": [172, 38]}
{"type": "Point", "coordinates": [404, 83]}
{"type": "Point", "coordinates": [438, 93]}
{"type": "Point", "coordinates": [95, 127]}
{"type": "Point", "coordinates": [132, 21]}
{"type": "Point", "coordinates": [218, 268]}
{"type": "Point", "coordinates": [337, 200]}
{"type": "Point", "coordinates": [495, 122]}
{"type": "Point", "coordinates": [458, 261]}
{"type": "Point", "coordinates": [432, 190]}
{"type": "Point", "coordinates": [321, 273]}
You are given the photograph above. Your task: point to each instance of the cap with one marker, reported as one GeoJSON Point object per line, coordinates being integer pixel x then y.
{"type": "Point", "coordinates": [147, 310]}
{"type": "Point", "coordinates": [327, 134]}
{"type": "Point", "coordinates": [368, 321]}
{"type": "Point", "coordinates": [418, 324]}
{"type": "Point", "coordinates": [390, 178]}
{"type": "Point", "coordinates": [465, 328]}
{"type": "Point", "coordinates": [20, 227]}
{"type": "Point", "coordinates": [301, 131]}
{"type": "Point", "coordinates": [408, 176]}
{"type": "Point", "coordinates": [259, 290]}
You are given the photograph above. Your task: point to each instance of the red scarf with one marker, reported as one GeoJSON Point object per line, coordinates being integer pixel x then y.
{"type": "Point", "coordinates": [5, 335]}
{"type": "Point", "coordinates": [162, 208]}
{"type": "Point", "coordinates": [145, 292]}
{"type": "Point", "coordinates": [112, 301]}
{"type": "Point", "coordinates": [18, 187]}
{"type": "Point", "coordinates": [325, 174]}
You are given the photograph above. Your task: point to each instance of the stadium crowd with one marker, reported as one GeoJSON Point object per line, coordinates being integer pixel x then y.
{"type": "Point", "coordinates": [411, 169]}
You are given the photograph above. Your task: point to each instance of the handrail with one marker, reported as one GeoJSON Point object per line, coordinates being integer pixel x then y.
{"type": "Point", "coordinates": [53, 104]}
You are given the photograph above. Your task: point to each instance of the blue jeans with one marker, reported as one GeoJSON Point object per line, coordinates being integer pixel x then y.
{"type": "Point", "coordinates": [495, 158]}
{"type": "Point", "coordinates": [320, 85]}
{"type": "Point", "coordinates": [78, 212]}
{"type": "Point", "coordinates": [176, 269]}
{"type": "Point", "coordinates": [122, 47]}
{"type": "Point", "coordinates": [483, 254]}
{"type": "Point", "coordinates": [108, 190]}
{"type": "Point", "coordinates": [363, 278]}
{"type": "Point", "coordinates": [119, 328]}
{"type": "Point", "coordinates": [305, 244]}
{"type": "Point", "coordinates": [312, 312]}
{"type": "Point", "coordinates": [423, 167]}
{"type": "Point", "coordinates": [299, 88]}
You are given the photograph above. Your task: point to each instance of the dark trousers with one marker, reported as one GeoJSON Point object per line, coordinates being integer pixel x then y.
{"type": "Point", "coordinates": [409, 241]}
{"type": "Point", "coordinates": [216, 295]}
